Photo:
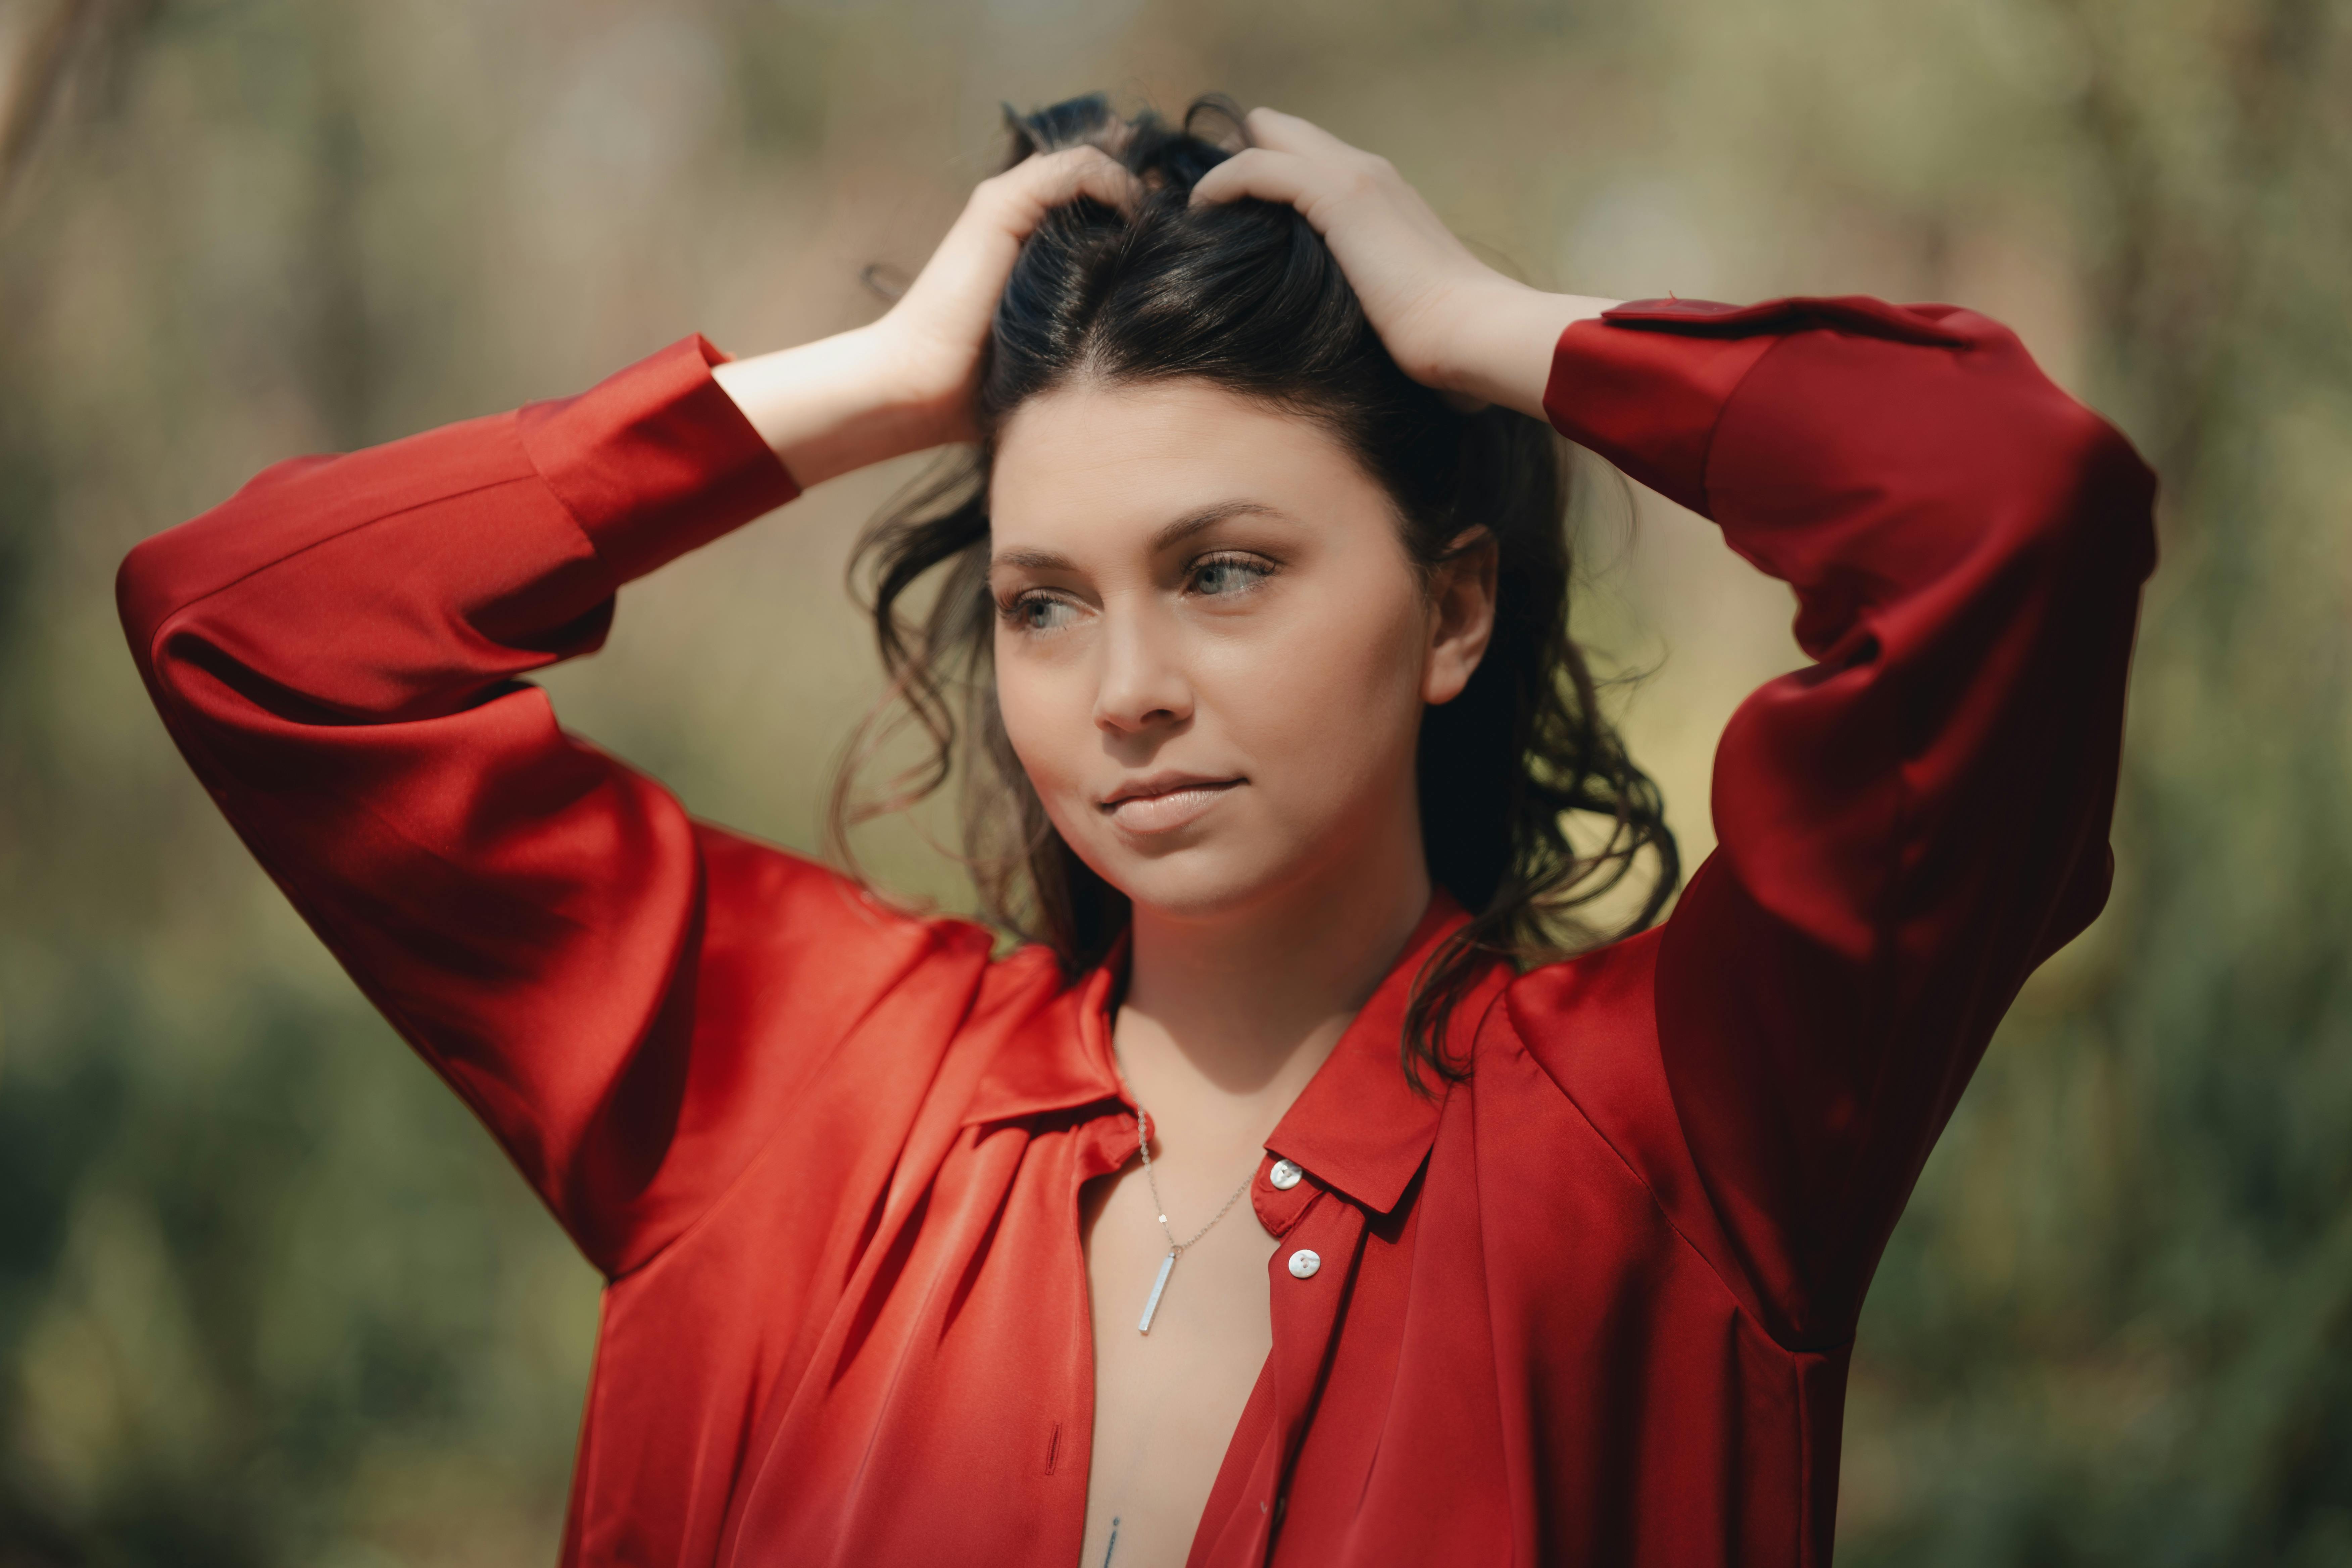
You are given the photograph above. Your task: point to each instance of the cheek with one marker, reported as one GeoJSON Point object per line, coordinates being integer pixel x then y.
{"type": "Point", "coordinates": [1332, 698]}
{"type": "Point", "coordinates": [1048, 718]}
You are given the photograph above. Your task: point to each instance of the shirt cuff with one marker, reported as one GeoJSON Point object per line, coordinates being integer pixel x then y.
{"type": "Point", "coordinates": [655, 460]}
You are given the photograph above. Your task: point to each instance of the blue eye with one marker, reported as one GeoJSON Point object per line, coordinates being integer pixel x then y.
{"type": "Point", "coordinates": [1038, 612]}
{"type": "Point", "coordinates": [1228, 576]}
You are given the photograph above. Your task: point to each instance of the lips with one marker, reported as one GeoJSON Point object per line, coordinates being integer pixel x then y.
{"type": "Point", "coordinates": [1165, 802]}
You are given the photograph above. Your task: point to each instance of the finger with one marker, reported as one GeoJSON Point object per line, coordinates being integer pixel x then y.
{"type": "Point", "coordinates": [1056, 178]}
{"type": "Point", "coordinates": [1006, 208]}
{"type": "Point", "coordinates": [1289, 134]}
{"type": "Point", "coordinates": [1262, 172]}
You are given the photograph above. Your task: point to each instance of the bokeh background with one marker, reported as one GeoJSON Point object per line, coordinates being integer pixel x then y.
{"type": "Point", "coordinates": [267, 1296]}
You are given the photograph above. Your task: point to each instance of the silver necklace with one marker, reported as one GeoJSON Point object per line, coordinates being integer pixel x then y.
{"type": "Point", "coordinates": [1175, 1248]}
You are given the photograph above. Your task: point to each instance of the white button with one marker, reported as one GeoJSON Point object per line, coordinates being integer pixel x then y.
{"type": "Point", "coordinates": [1285, 1175]}
{"type": "Point", "coordinates": [1303, 1264]}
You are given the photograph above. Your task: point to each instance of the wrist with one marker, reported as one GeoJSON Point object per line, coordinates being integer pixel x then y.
{"type": "Point", "coordinates": [837, 403]}
{"type": "Point", "coordinates": [1502, 338]}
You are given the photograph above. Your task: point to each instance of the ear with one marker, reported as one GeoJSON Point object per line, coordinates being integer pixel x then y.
{"type": "Point", "coordinates": [1462, 615]}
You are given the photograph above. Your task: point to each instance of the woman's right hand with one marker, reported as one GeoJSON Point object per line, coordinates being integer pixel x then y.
{"type": "Point", "coordinates": [905, 382]}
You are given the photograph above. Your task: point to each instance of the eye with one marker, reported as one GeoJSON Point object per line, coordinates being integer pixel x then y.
{"type": "Point", "coordinates": [1037, 611]}
{"type": "Point", "coordinates": [1228, 576]}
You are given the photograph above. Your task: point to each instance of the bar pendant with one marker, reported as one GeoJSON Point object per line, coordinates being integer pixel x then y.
{"type": "Point", "coordinates": [1166, 1264]}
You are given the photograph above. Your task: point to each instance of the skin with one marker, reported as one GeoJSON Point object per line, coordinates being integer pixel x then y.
{"type": "Point", "coordinates": [1213, 657]}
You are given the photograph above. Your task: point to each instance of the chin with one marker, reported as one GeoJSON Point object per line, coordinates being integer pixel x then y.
{"type": "Point", "coordinates": [1199, 883]}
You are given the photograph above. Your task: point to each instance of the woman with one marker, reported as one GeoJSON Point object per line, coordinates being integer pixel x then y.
{"type": "Point", "coordinates": [917, 1254]}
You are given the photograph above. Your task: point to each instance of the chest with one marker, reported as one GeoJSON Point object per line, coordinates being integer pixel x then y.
{"type": "Point", "coordinates": [1167, 1402]}
{"type": "Point", "coordinates": [947, 1368]}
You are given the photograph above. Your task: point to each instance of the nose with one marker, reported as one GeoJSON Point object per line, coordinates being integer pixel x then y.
{"type": "Point", "coordinates": [1142, 685]}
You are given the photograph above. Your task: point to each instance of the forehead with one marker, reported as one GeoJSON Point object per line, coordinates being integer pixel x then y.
{"type": "Point", "coordinates": [1101, 455]}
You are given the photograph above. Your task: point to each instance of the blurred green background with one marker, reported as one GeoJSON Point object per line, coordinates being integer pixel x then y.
{"type": "Point", "coordinates": [267, 1296]}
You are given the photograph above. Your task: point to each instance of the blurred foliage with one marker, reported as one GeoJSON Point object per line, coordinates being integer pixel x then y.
{"type": "Point", "coordinates": [266, 1296]}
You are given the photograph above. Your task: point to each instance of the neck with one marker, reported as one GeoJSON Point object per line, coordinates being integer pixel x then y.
{"type": "Point", "coordinates": [1248, 1005]}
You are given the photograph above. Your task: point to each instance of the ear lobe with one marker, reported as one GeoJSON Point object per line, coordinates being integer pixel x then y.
{"type": "Point", "coordinates": [1462, 601]}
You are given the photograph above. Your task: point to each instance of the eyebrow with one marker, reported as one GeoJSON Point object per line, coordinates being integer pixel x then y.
{"type": "Point", "coordinates": [1169, 535]}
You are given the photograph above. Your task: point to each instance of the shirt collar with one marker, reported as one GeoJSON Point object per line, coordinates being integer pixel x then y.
{"type": "Point", "coordinates": [1358, 1126]}
{"type": "Point", "coordinates": [1065, 1064]}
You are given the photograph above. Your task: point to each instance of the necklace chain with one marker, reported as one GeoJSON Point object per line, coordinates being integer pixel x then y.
{"type": "Point", "coordinates": [1143, 1146]}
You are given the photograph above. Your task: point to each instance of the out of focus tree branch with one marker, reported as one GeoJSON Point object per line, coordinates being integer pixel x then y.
{"type": "Point", "coordinates": [67, 36]}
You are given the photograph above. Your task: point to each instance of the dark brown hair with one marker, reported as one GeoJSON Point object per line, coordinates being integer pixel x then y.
{"type": "Point", "coordinates": [1247, 297]}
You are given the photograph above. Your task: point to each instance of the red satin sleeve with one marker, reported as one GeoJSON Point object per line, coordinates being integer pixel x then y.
{"type": "Point", "coordinates": [339, 651]}
{"type": "Point", "coordinates": [1912, 822]}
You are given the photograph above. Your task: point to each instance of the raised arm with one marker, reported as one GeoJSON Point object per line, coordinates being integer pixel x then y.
{"type": "Point", "coordinates": [1910, 825]}
{"type": "Point", "coordinates": [1912, 822]}
{"type": "Point", "coordinates": [339, 651]}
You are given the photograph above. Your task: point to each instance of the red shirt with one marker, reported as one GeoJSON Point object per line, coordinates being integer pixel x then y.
{"type": "Point", "coordinates": [1592, 1305]}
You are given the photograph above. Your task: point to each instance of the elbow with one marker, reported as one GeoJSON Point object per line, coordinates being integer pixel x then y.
{"type": "Point", "coordinates": [159, 581]}
{"type": "Point", "coordinates": [171, 571]}
{"type": "Point", "coordinates": [2055, 480]}
{"type": "Point", "coordinates": [2105, 496]}
{"type": "Point", "coordinates": [144, 596]}
{"type": "Point", "coordinates": [2059, 493]}
{"type": "Point", "coordinates": [150, 588]}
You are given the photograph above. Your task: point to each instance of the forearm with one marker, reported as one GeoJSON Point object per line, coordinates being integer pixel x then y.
{"type": "Point", "coordinates": [398, 581]}
{"type": "Point", "coordinates": [837, 403]}
{"type": "Point", "coordinates": [1500, 347]}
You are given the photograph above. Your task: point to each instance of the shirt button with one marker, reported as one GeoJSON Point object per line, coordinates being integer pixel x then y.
{"type": "Point", "coordinates": [1285, 1175]}
{"type": "Point", "coordinates": [1303, 1264]}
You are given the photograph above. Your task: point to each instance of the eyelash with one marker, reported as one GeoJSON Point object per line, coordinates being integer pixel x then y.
{"type": "Point", "coordinates": [1011, 610]}
{"type": "Point", "coordinates": [1256, 568]}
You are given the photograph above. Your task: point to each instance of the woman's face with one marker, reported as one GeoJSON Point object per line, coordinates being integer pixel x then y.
{"type": "Point", "coordinates": [1211, 649]}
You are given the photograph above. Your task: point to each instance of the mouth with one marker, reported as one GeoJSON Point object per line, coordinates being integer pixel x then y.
{"type": "Point", "coordinates": [1165, 802]}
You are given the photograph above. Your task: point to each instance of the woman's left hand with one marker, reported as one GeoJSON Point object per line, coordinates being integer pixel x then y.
{"type": "Point", "coordinates": [1449, 319]}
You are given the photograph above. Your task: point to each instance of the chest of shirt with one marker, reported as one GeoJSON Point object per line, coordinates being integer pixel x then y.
{"type": "Point", "coordinates": [901, 1369]}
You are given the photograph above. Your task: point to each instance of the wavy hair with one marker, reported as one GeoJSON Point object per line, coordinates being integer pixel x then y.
{"type": "Point", "coordinates": [1246, 297]}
